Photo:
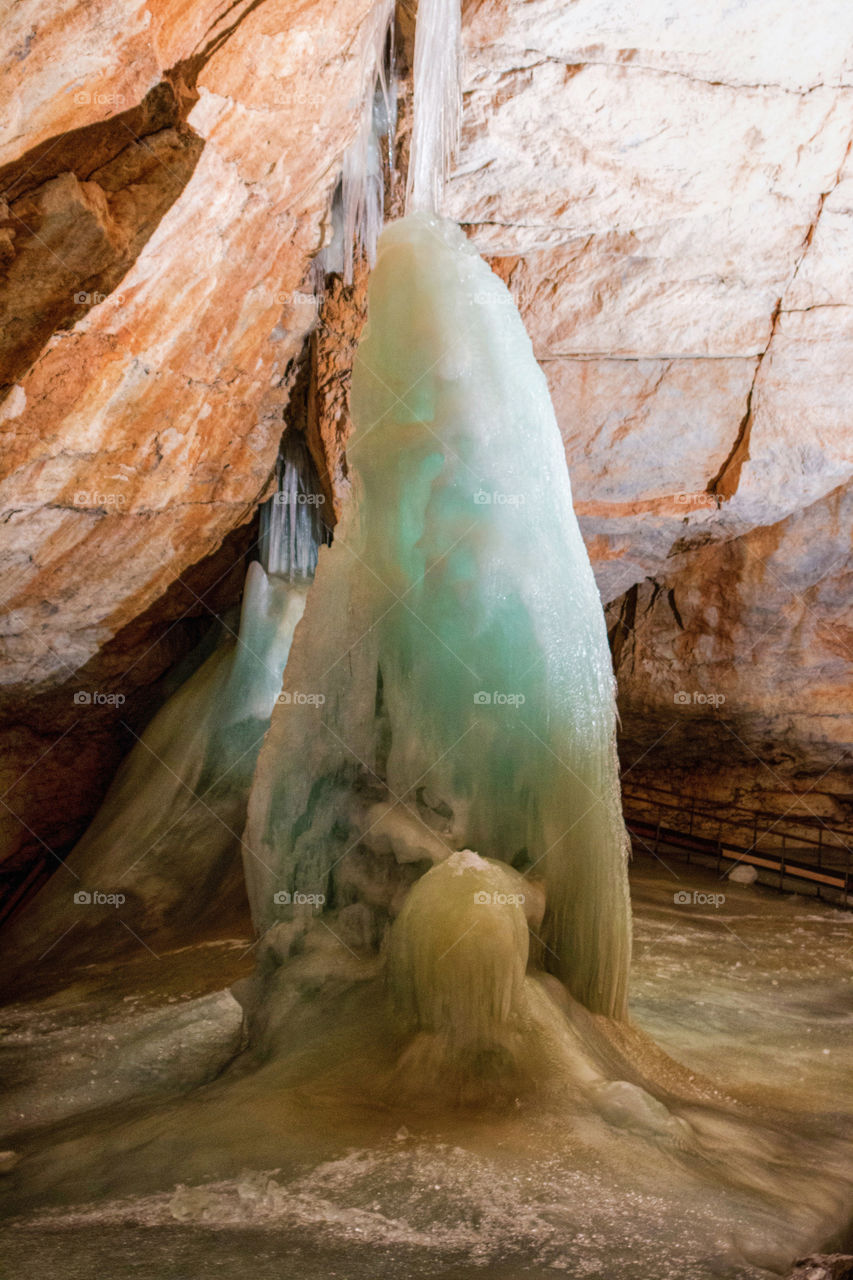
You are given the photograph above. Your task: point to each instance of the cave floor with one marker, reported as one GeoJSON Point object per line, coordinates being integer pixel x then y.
{"type": "Point", "coordinates": [746, 986]}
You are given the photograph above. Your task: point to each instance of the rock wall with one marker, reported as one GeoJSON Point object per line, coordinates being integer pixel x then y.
{"type": "Point", "coordinates": [668, 195]}
{"type": "Point", "coordinates": [168, 177]}
{"type": "Point", "coordinates": [144, 432]}
{"type": "Point", "coordinates": [734, 671]}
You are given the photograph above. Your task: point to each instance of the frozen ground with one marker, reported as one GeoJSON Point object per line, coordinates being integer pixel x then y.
{"type": "Point", "coordinates": [148, 1172]}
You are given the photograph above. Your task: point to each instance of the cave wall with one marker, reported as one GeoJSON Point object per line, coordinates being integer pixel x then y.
{"type": "Point", "coordinates": [734, 671]}
{"type": "Point", "coordinates": [666, 192]}
{"type": "Point", "coordinates": [144, 431]}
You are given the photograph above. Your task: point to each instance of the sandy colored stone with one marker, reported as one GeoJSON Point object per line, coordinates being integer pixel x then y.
{"type": "Point", "coordinates": [149, 430]}
{"type": "Point", "coordinates": [734, 674]}
{"type": "Point", "coordinates": [688, 192]}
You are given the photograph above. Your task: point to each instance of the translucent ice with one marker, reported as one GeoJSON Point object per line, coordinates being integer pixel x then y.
{"type": "Point", "coordinates": [453, 660]}
{"type": "Point", "coordinates": [358, 208]}
{"type": "Point", "coordinates": [169, 828]}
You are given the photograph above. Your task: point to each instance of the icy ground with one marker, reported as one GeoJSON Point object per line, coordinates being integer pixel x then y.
{"type": "Point", "coordinates": [124, 1173]}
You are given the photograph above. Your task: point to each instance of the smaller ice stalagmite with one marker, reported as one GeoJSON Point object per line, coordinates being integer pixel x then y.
{"type": "Point", "coordinates": [169, 828]}
{"type": "Point", "coordinates": [457, 957]}
{"type": "Point", "coordinates": [469, 996]}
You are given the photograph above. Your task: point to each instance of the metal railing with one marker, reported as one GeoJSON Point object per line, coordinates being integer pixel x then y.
{"type": "Point", "coordinates": [788, 850]}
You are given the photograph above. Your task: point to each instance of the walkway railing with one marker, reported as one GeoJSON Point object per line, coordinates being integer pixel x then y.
{"type": "Point", "coordinates": [801, 852]}
{"type": "Point", "coordinates": [791, 852]}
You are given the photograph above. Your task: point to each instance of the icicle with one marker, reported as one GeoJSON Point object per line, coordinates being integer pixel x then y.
{"type": "Point", "coordinates": [358, 204]}
{"type": "Point", "coordinates": [437, 102]}
{"type": "Point", "coordinates": [332, 259]}
{"type": "Point", "coordinates": [362, 189]}
{"type": "Point", "coordinates": [291, 523]}
{"type": "Point", "coordinates": [270, 611]}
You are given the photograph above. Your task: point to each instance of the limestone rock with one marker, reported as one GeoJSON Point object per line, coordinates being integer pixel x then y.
{"type": "Point", "coordinates": [148, 430]}
{"type": "Point", "coordinates": [669, 226]}
{"type": "Point", "coordinates": [140, 425]}
{"type": "Point", "coordinates": [734, 668]}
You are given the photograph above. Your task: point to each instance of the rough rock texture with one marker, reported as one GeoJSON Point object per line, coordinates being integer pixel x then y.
{"type": "Point", "coordinates": [734, 671]}
{"type": "Point", "coordinates": [140, 437]}
{"type": "Point", "coordinates": [668, 194]}
{"type": "Point", "coordinates": [676, 235]}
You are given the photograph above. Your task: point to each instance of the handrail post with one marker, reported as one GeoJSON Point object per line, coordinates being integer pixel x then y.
{"type": "Point", "coordinates": [675, 806]}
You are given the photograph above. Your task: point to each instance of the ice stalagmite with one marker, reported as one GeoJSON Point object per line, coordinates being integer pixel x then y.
{"type": "Point", "coordinates": [167, 833]}
{"type": "Point", "coordinates": [451, 686]}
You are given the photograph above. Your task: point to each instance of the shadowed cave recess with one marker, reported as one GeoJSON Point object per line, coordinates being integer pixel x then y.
{"type": "Point", "coordinates": [426, 835]}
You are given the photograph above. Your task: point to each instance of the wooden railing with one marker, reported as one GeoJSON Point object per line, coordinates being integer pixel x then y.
{"type": "Point", "coordinates": [788, 850]}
